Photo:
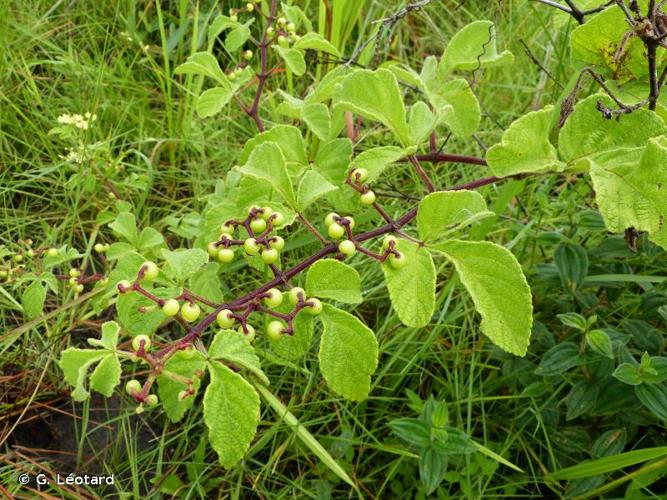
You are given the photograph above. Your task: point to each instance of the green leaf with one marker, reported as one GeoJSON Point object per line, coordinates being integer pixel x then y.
{"type": "Point", "coordinates": [612, 463]}
{"type": "Point", "coordinates": [233, 347]}
{"type": "Point", "coordinates": [559, 359]}
{"type": "Point", "coordinates": [206, 282]}
{"type": "Point", "coordinates": [316, 116]}
{"type": "Point", "coordinates": [311, 188]}
{"type": "Point", "coordinates": [33, 299]}
{"type": "Point", "coordinates": [628, 373]}
{"type": "Point", "coordinates": [654, 398]}
{"type": "Point", "coordinates": [525, 147]}
{"type": "Point", "coordinates": [496, 283]}
{"type": "Point", "coordinates": [211, 101]}
{"type": "Point", "coordinates": [182, 364]}
{"type": "Point", "coordinates": [183, 263]}
{"type": "Point", "coordinates": [581, 399]}
{"type": "Point", "coordinates": [106, 375]}
{"type": "Point", "coordinates": [288, 139]}
{"type": "Point", "coordinates": [125, 225]}
{"type": "Point", "coordinates": [315, 41]}
{"type": "Point", "coordinates": [133, 320]}
{"type": "Point", "coordinates": [75, 363]}
{"type": "Point", "coordinates": [238, 35]}
{"type": "Point", "coordinates": [375, 95]}
{"type": "Point", "coordinates": [293, 59]}
{"type": "Point", "coordinates": [297, 16]}
{"type": "Point", "coordinates": [412, 430]}
{"type": "Point", "coordinates": [149, 238]}
{"type": "Point", "coordinates": [332, 279]}
{"type": "Point", "coordinates": [291, 347]}
{"type": "Point", "coordinates": [473, 47]}
{"type": "Point", "coordinates": [333, 159]}
{"type": "Point", "coordinates": [205, 64]}
{"type": "Point", "coordinates": [421, 123]}
{"type": "Point", "coordinates": [572, 264]}
{"type": "Point", "coordinates": [267, 163]}
{"type": "Point", "coordinates": [412, 287]}
{"type": "Point", "coordinates": [432, 468]}
{"type": "Point", "coordinates": [632, 194]}
{"type": "Point", "coordinates": [375, 160]}
{"type": "Point", "coordinates": [600, 342]}
{"type": "Point", "coordinates": [587, 133]}
{"type": "Point", "coordinates": [442, 212]}
{"type": "Point", "coordinates": [348, 354]}
{"type": "Point", "coordinates": [231, 413]}
{"type": "Point", "coordinates": [109, 340]}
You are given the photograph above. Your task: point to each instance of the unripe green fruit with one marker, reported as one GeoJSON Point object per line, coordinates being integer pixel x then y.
{"type": "Point", "coordinates": [212, 249]}
{"type": "Point", "coordinates": [282, 41]}
{"type": "Point", "coordinates": [277, 242]}
{"type": "Point", "coordinates": [138, 340]}
{"type": "Point", "coordinates": [3, 274]}
{"type": "Point", "coordinates": [150, 270]}
{"type": "Point", "coordinates": [258, 225]}
{"type": "Point", "coordinates": [266, 213]}
{"type": "Point", "coordinates": [282, 21]}
{"type": "Point", "coordinates": [73, 281]}
{"type": "Point", "coordinates": [152, 400]}
{"type": "Point", "coordinates": [190, 311]}
{"type": "Point", "coordinates": [330, 219]}
{"type": "Point", "coordinates": [270, 31]}
{"type": "Point", "coordinates": [225, 255]}
{"type": "Point", "coordinates": [100, 248]}
{"type": "Point", "coordinates": [52, 252]}
{"type": "Point", "coordinates": [350, 221]}
{"type": "Point", "coordinates": [247, 55]}
{"type": "Point", "coordinates": [18, 257]}
{"type": "Point", "coordinates": [78, 288]}
{"type": "Point", "coordinates": [227, 229]}
{"type": "Point", "coordinates": [368, 198]}
{"type": "Point", "coordinates": [347, 247]}
{"type": "Point", "coordinates": [249, 334]}
{"type": "Point", "coordinates": [274, 330]}
{"type": "Point", "coordinates": [171, 307]}
{"type": "Point", "coordinates": [30, 253]}
{"type": "Point", "coordinates": [74, 273]}
{"type": "Point", "coordinates": [387, 240]}
{"type": "Point", "coordinates": [133, 387]}
{"type": "Point", "coordinates": [336, 231]}
{"type": "Point", "coordinates": [397, 261]}
{"type": "Point", "coordinates": [291, 27]}
{"type": "Point", "coordinates": [294, 293]}
{"type": "Point", "coordinates": [249, 7]}
{"type": "Point", "coordinates": [225, 318]}
{"type": "Point", "coordinates": [250, 246]}
{"type": "Point", "coordinates": [124, 286]}
{"type": "Point", "coordinates": [234, 18]}
{"type": "Point", "coordinates": [274, 298]}
{"type": "Point", "coordinates": [315, 307]}
{"type": "Point", "coordinates": [278, 219]}
{"type": "Point", "coordinates": [270, 255]}
{"type": "Point", "coordinates": [359, 175]}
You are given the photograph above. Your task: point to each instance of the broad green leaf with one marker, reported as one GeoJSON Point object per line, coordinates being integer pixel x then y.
{"type": "Point", "coordinates": [525, 147]}
{"type": "Point", "coordinates": [332, 279]}
{"type": "Point", "coordinates": [581, 399]}
{"type": "Point", "coordinates": [293, 59]}
{"type": "Point", "coordinates": [587, 133]}
{"type": "Point", "coordinates": [441, 212]}
{"type": "Point", "coordinates": [333, 159]}
{"type": "Point", "coordinates": [628, 373]}
{"type": "Point", "coordinates": [182, 364]}
{"type": "Point", "coordinates": [288, 139]}
{"type": "Point", "coordinates": [202, 63]}
{"type": "Point", "coordinates": [238, 35]}
{"type": "Point", "coordinates": [412, 287]}
{"type": "Point", "coordinates": [316, 116]}
{"type": "Point", "coordinates": [348, 354]}
{"type": "Point", "coordinates": [404, 73]}
{"type": "Point", "coordinates": [32, 300]}
{"type": "Point", "coordinates": [473, 47]}
{"type": "Point", "coordinates": [631, 194]}
{"type": "Point", "coordinates": [206, 282]}
{"type": "Point", "coordinates": [600, 342]}
{"type": "Point", "coordinates": [106, 375]}
{"type": "Point", "coordinates": [109, 338]}
{"type": "Point", "coordinates": [133, 320]}
{"type": "Point", "coordinates": [233, 347]}
{"type": "Point", "coordinates": [297, 16]}
{"type": "Point", "coordinates": [231, 413]}
{"type": "Point", "coordinates": [458, 107]}
{"type": "Point", "coordinates": [496, 283]}
{"type": "Point", "coordinates": [291, 106]}
{"type": "Point", "coordinates": [315, 41]}
{"type": "Point", "coordinates": [609, 464]}
{"type": "Point", "coordinates": [149, 238]}
{"type": "Point", "coordinates": [75, 364]}
{"type": "Point", "coordinates": [376, 160]}
{"type": "Point", "coordinates": [375, 95]}
{"type": "Point", "coordinates": [211, 101]}
{"type": "Point", "coordinates": [267, 163]}
{"type": "Point", "coordinates": [432, 468]}
{"type": "Point", "coordinates": [311, 188]}
{"type": "Point", "coordinates": [420, 123]}
{"type": "Point", "coordinates": [291, 347]}
{"type": "Point", "coordinates": [559, 359]}
{"type": "Point", "coordinates": [182, 263]}
{"type": "Point", "coordinates": [327, 87]}
{"type": "Point", "coordinates": [125, 225]}
{"type": "Point", "coordinates": [654, 398]}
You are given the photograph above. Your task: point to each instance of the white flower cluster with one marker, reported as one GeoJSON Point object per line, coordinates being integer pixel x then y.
{"type": "Point", "coordinates": [79, 121]}
{"type": "Point", "coordinates": [73, 155]}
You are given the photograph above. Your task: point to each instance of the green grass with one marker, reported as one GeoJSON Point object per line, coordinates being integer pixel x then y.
{"type": "Point", "coordinates": [72, 57]}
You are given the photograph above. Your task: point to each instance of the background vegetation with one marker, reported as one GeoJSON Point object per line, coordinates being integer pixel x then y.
{"type": "Point", "coordinates": [542, 413]}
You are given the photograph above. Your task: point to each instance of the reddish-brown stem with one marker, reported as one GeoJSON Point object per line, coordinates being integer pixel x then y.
{"type": "Point", "coordinates": [449, 158]}
{"type": "Point", "coordinates": [312, 228]}
{"type": "Point", "coordinates": [430, 187]}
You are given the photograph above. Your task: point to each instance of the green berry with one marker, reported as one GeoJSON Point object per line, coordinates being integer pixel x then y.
{"type": "Point", "coordinates": [274, 298]}
{"type": "Point", "coordinates": [397, 261]}
{"type": "Point", "coordinates": [124, 286]}
{"type": "Point", "coordinates": [30, 253]}
{"type": "Point", "coordinates": [78, 288]}
{"type": "Point", "coordinates": [133, 387]}
{"type": "Point", "coordinates": [315, 306]}
{"type": "Point", "coordinates": [350, 221]}
{"type": "Point", "coordinates": [74, 273]}
{"type": "Point", "coordinates": [73, 281]}
{"type": "Point", "coordinates": [270, 31]}
{"type": "Point", "coordinates": [190, 311]}
{"type": "Point", "coordinates": [387, 240]}
{"type": "Point", "coordinates": [212, 249]}
{"type": "Point", "coordinates": [3, 274]}
{"type": "Point", "coordinates": [18, 257]}
{"type": "Point", "coordinates": [250, 246]}
{"type": "Point", "coordinates": [139, 340]}
{"type": "Point", "coordinates": [330, 219]}
{"type": "Point", "coordinates": [347, 247]}
{"type": "Point", "coordinates": [52, 252]}
{"type": "Point", "coordinates": [274, 330]}
{"type": "Point", "coordinates": [270, 255]}
{"type": "Point", "coordinates": [277, 242]}
{"type": "Point", "coordinates": [247, 55]}
{"type": "Point", "coordinates": [368, 198]}
{"type": "Point", "coordinates": [100, 248]}
{"type": "Point", "coordinates": [278, 219]}
{"type": "Point", "coordinates": [249, 7]}
{"type": "Point", "coordinates": [282, 21]}
{"type": "Point", "coordinates": [359, 175]}
{"type": "Point", "coordinates": [336, 231]}
{"type": "Point", "coordinates": [291, 27]}
{"type": "Point", "coordinates": [225, 318]}
{"type": "Point", "coordinates": [152, 400]}
{"type": "Point", "coordinates": [225, 255]}
{"type": "Point", "coordinates": [266, 213]}
{"type": "Point", "coordinates": [282, 41]}
{"type": "Point", "coordinates": [227, 229]}
{"type": "Point", "coordinates": [234, 18]}
{"type": "Point", "coordinates": [150, 270]}
{"type": "Point", "coordinates": [258, 225]}
{"type": "Point", "coordinates": [171, 307]}
{"type": "Point", "coordinates": [294, 293]}
{"type": "Point", "coordinates": [249, 333]}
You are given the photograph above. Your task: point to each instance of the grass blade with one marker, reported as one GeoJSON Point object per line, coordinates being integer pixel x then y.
{"type": "Point", "coordinates": [609, 464]}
